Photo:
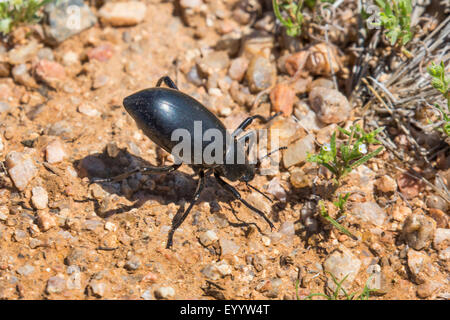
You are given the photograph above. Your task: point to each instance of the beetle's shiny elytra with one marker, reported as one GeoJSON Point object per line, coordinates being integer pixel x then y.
{"type": "Point", "coordinates": [158, 112]}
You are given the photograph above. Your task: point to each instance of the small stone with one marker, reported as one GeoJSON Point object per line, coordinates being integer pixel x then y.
{"type": "Point", "coordinates": [56, 284]}
{"type": "Point", "coordinates": [369, 212]}
{"type": "Point", "coordinates": [386, 184]}
{"type": "Point", "coordinates": [208, 237]}
{"type": "Point", "coordinates": [260, 202]}
{"type": "Point", "coordinates": [440, 217]}
{"type": "Point", "coordinates": [217, 270]}
{"type": "Point", "coordinates": [419, 265]}
{"type": "Point", "coordinates": [4, 211]}
{"type": "Point", "coordinates": [98, 288]}
{"type": "Point", "coordinates": [238, 68]}
{"type": "Point", "coordinates": [99, 81]}
{"type": "Point", "coordinates": [342, 263]}
{"type": "Point", "coordinates": [274, 187]}
{"type": "Point", "coordinates": [39, 198]}
{"type": "Point", "coordinates": [191, 4]}
{"type": "Point", "coordinates": [322, 82]}
{"type": "Point", "coordinates": [399, 213]}
{"type": "Point", "coordinates": [282, 97]}
{"type": "Point", "coordinates": [324, 135]}
{"type": "Point", "coordinates": [147, 295]}
{"type": "Point", "coordinates": [418, 230]}
{"type": "Point", "coordinates": [5, 69]}
{"type": "Point", "coordinates": [61, 23]}
{"type": "Point", "coordinates": [298, 151]}
{"type": "Point", "coordinates": [330, 105]}
{"type": "Point", "coordinates": [441, 239]}
{"type": "Point", "coordinates": [110, 226]}
{"type": "Point", "coordinates": [121, 14]}
{"type": "Point", "coordinates": [74, 280]}
{"type": "Point", "coordinates": [45, 221]}
{"type": "Point", "coordinates": [295, 62]}
{"type": "Point", "coordinates": [132, 264]}
{"type": "Point", "coordinates": [21, 169]}
{"type": "Point", "coordinates": [50, 72]}
{"type": "Point", "coordinates": [428, 288]}
{"type": "Point", "coordinates": [322, 59]}
{"type": "Point", "coordinates": [433, 201]}
{"type": "Point", "coordinates": [46, 54]}
{"type": "Point", "coordinates": [22, 54]}
{"type": "Point", "coordinates": [92, 224]}
{"type": "Point", "coordinates": [228, 247]}
{"type": "Point", "coordinates": [26, 270]}
{"type": "Point", "coordinates": [261, 73]}
{"type": "Point", "coordinates": [21, 76]}
{"type": "Point", "coordinates": [88, 110]}
{"type": "Point", "coordinates": [409, 186]}
{"type": "Point", "coordinates": [164, 293]}
{"type": "Point", "coordinates": [2, 146]}
{"type": "Point", "coordinates": [101, 53]}
{"type": "Point", "coordinates": [193, 76]}
{"type": "Point", "coordinates": [4, 106]}
{"type": "Point", "coordinates": [299, 179]}
{"type": "Point", "coordinates": [213, 62]}
{"type": "Point", "coordinates": [70, 58]}
{"type": "Point", "coordinates": [54, 152]}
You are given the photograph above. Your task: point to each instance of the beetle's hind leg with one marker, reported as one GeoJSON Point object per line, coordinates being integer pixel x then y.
{"type": "Point", "coordinates": [144, 170]}
{"type": "Point", "coordinates": [237, 195]}
{"type": "Point", "coordinates": [177, 221]}
{"type": "Point", "coordinates": [167, 81]}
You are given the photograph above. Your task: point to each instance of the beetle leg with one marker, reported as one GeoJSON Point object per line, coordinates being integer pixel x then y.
{"type": "Point", "coordinates": [237, 195]}
{"type": "Point", "coordinates": [144, 170]}
{"type": "Point", "coordinates": [167, 81]}
{"type": "Point", "coordinates": [177, 221]}
{"type": "Point", "coordinates": [249, 120]}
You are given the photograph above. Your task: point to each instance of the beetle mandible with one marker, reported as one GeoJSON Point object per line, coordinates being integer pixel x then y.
{"type": "Point", "coordinates": [159, 111]}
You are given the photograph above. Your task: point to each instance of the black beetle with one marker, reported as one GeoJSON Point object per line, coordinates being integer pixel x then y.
{"type": "Point", "coordinates": [159, 111]}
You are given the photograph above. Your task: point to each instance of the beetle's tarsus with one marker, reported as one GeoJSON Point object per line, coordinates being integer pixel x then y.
{"type": "Point", "coordinates": [238, 196]}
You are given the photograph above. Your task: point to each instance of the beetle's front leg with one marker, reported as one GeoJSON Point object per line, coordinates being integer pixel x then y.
{"type": "Point", "coordinates": [249, 121]}
{"type": "Point", "coordinates": [237, 195]}
{"type": "Point", "coordinates": [167, 81]}
{"type": "Point", "coordinates": [144, 170]}
{"type": "Point", "coordinates": [177, 221]}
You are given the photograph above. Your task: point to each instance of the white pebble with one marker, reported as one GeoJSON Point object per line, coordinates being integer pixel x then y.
{"type": "Point", "coordinates": [39, 197]}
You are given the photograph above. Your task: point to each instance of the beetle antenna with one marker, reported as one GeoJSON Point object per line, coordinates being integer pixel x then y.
{"type": "Point", "coordinates": [252, 187]}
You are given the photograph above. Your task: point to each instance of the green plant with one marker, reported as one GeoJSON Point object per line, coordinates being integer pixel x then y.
{"type": "Point", "coordinates": [15, 12]}
{"type": "Point", "coordinates": [442, 84]}
{"type": "Point", "coordinates": [293, 15]}
{"type": "Point", "coordinates": [395, 18]}
{"type": "Point", "coordinates": [364, 295]}
{"type": "Point", "coordinates": [352, 153]}
{"type": "Point", "coordinates": [340, 204]}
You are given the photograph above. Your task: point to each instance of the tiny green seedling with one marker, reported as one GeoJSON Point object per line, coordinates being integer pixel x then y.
{"type": "Point", "coordinates": [364, 295]}
{"type": "Point", "coordinates": [16, 12]}
{"type": "Point", "coordinates": [442, 84]}
{"type": "Point", "coordinates": [395, 18]}
{"type": "Point", "coordinates": [352, 153]}
{"type": "Point", "coordinates": [294, 17]}
{"type": "Point", "coordinates": [340, 204]}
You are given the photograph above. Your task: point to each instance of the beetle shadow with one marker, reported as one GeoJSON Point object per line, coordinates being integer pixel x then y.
{"type": "Point", "coordinates": [137, 188]}
{"type": "Point", "coordinates": [165, 188]}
